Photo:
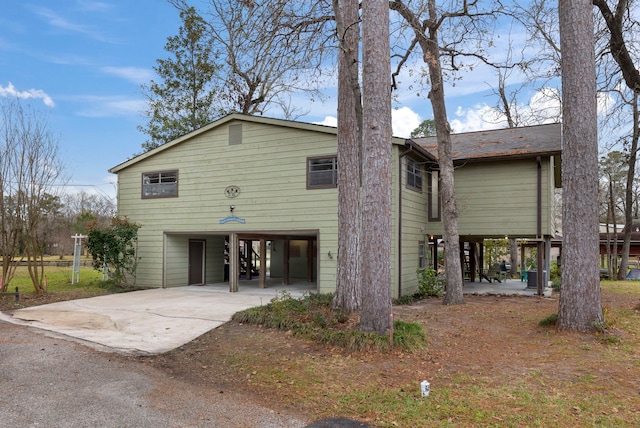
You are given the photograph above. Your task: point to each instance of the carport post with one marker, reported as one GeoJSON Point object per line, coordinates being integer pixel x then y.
{"type": "Point", "coordinates": [234, 258]}
{"type": "Point", "coordinates": [263, 263]}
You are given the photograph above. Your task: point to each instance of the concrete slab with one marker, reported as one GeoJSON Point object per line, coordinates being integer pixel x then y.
{"type": "Point", "coordinates": [155, 321]}
{"type": "Point", "coordinates": [150, 321]}
{"type": "Point", "coordinates": [510, 287]}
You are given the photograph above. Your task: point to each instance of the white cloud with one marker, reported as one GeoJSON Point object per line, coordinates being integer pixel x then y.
{"type": "Point", "coordinates": [111, 179]}
{"type": "Point", "coordinates": [136, 75]}
{"type": "Point", "coordinates": [476, 118]}
{"type": "Point", "coordinates": [605, 103]}
{"type": "Point", "coordinates": [57, 21]}
{"type": "Point", "coordinates": [403, 120]}
{"type": "Point", "coordinates": [11, 91]}
{"type": "Point", "coordinates": [543, 107]}
{"type": "Point", "coordinates": [328, 121]}
{"type": "Point", "coordinates": [94, 6]}
{"type": "Point", "coordinates": [112, 106]}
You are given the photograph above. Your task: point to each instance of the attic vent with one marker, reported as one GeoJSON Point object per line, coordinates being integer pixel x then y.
{"type": "Point", "coordinates": [235, 134]}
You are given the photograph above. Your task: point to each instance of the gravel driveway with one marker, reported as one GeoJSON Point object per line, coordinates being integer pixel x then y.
{"type": "Point", "coordinates": [47, 381]}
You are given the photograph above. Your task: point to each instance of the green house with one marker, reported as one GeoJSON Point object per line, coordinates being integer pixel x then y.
{"type": "Point", "coordinates": [267, 188]}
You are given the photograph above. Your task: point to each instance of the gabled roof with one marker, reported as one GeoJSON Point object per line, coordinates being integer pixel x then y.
{"type": "Point", "coordinates": [510, 142]}
{"type": "Point", "coordinates": [245, 118]}
{"type": "Point", "coordinates": [223, 120]}
{"type": "Point", "coordinates": [493, 144]}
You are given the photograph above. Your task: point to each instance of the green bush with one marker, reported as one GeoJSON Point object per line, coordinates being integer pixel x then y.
{"type": "Point", "coordinates": [430, 284]}
{"type": "Point", "coordinates": [313, 318]}
{"type": "Point", "coordinates": [555, 273]}
{"type": "Point", "coordinates": [115, 246]}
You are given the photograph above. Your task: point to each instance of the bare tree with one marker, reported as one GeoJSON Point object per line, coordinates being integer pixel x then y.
{"type": "Point", "coordinates": [620, 22]}
{"type": "Point", "coordinates": [376, 192]}
{"type": "Point", "coordinates": [348, 294]}
{"type": "Point", "coordinates": [618, 58]}
{"type": "Point", "coordinates": [631, 174]}
{"type": "Point", "coordinates": [99, 205]}
{"type": "Point", "coordinates": [427, 33]}
{"type": "Point", "coordinates": [580, 304]}
{"type": "Point", "coordinates": [613, 170]}
{"type": "Point", "coordinates": [30, 169]}
{"type": "Point", "coordinates": [266, 51]}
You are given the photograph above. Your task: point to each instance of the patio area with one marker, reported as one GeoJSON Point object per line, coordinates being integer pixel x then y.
{"type": "Point", "coordinates": [509, 287]}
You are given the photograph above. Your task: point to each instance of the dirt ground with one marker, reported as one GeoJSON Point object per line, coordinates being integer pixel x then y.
{"type": "Point", "coordinates": [490, 341]}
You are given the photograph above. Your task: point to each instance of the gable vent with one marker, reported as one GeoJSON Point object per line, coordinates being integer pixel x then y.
{"type": "Point", "coordinates": [235, 134]}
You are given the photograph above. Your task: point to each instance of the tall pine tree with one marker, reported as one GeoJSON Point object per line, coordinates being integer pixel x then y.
{"type": "Point", "coordinates": [183, 98]}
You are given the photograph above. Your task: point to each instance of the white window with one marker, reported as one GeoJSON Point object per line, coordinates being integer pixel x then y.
{"type": "Point", "coordinates": [322, 172]}
{"type": "Point", "coordinates": [162, 184]}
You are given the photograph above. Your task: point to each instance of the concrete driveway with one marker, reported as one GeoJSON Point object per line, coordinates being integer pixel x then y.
{"type": "Point", "coordinates": [147, 322]}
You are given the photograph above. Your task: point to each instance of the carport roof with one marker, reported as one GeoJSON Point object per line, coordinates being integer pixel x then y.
{"type": "Point", "coordinates": [529, 141]}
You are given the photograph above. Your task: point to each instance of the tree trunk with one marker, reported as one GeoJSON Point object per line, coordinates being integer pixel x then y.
{"type": "Point", "coordinates": [348, 282]}
{"type": "Point", "coordinates": [376, 193]}
{"type": "Point", "coordinates": [613, 267]}
{"type": "Point", "coordinates": [513, 255]}
{"type": "Point", "coordinates": [609, 240]}
{"type": "Point", "coordinates": [453, 267]}
{"type": "Point", "coordinates": [628, 206]}
{"type": "Point", "coordinates": [580, 303]}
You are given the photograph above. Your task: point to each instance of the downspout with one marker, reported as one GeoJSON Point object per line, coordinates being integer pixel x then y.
{"type": "Point", "coordinates": [402, 155]}
{"type": "Point", "coordinates": [540, 273]}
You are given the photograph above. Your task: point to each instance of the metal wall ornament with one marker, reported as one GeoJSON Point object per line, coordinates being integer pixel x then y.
{"type": "Point", "coordinates": [231, 191]}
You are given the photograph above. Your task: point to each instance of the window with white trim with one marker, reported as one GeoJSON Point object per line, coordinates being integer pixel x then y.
{"type": "Point", "coordinates": [162, 184]}
{"type": "Point", "coordinates": [322, 172]}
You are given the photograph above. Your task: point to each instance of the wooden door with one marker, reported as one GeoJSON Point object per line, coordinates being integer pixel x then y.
{"type": "Point", "coordinates": [196, 262]}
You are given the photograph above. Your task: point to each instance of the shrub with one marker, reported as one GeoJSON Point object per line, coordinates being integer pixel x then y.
{"type": "Point", "coordinates": [115, 246]}
{"type": "Point", "coordinates": [429, 283]}
{"type": "Point", "coordinates": [312, 318]}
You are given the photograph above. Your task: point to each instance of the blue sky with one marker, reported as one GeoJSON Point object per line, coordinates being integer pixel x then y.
{"type": "Point", "coordinates": [82, 63]}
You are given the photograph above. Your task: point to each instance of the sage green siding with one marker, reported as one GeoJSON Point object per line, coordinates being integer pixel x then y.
{"type": "Point", "coordinates": [269, 167]}
{"type": "Point", "coordinates": [498, 199]}
{"type": "Point", "coordinates": [177, 258]}
{"type": "Point", "coordinates": [414, 218]}
{"type": "Point", "coordinates": [267, 160]}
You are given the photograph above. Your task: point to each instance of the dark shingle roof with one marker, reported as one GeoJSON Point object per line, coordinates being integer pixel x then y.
{"type": "Point", "coordinates": [526, 141]}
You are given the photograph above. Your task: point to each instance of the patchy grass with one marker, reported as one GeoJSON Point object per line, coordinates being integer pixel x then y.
{"type": "Point", "coordinates": [489, 363]}
{"type": "Point", "coordinates": [59, 287]}
{"type": "Point", "coordinates": [549, 321]}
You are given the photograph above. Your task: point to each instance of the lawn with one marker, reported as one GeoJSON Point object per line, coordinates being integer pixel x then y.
{"type": "Point", "coordinates": [59, 287]}
{"type": "Point", "coordinates": [489, 363]}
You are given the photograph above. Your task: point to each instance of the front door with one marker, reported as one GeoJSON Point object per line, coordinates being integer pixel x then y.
{"type": "Point", "coordinates": [196, 262]}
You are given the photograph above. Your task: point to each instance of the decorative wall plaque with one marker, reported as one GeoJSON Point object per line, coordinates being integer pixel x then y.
{"type": "Point", "coordinates": [231, 191]}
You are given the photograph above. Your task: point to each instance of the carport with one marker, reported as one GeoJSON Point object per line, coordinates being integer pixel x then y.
{"type": "Point", "coordinates": [262, 258]}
